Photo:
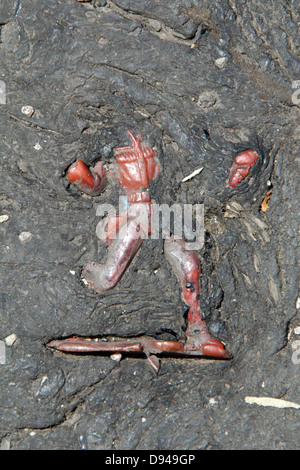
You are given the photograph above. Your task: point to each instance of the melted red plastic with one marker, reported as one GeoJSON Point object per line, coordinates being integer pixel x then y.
{"type": "Point", "coordinates": [241, 167]}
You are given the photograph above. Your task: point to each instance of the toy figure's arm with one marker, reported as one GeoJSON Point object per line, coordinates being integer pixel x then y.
{"type": "Point", "coordinates": [89, 180]}
{"type": "Point", "coordinates": [241, 167]}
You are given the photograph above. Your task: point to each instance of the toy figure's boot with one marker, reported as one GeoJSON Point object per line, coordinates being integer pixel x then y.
{"type": "Point", "coordinates": [187, 267]}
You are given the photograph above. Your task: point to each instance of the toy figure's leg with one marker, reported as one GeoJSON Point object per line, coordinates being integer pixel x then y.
{"type": "Point", "coordinates": [121, 251]}
{"type": "Point", "coordinates": [113, 224]}
{"type": "Point", "coordinates": [187, 267]}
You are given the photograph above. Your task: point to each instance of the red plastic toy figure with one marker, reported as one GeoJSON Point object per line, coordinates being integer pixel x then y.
{"type": "Point", "coordinates": [137, 165]}
{"type": "Point", "coordinates": [241, 167]}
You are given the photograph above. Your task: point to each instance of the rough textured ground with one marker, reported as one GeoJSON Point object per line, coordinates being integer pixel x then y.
{"type": "Point", "coordinates": [92, 70]}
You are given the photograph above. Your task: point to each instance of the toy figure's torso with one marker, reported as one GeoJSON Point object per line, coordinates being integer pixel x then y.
{"type": "Point", "coordinates": [137, 166]}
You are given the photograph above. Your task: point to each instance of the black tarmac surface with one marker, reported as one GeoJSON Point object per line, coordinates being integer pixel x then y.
{"type": "Point", "coordinates": [202, 80]}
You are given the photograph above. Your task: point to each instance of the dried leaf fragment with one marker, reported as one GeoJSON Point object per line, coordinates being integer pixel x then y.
{"type": "Point", "coordinates": [196, 172]}
{"type": "Point", "coordinates": [275, 402]}
{"type": "Point", "coordinates": [265, 204]}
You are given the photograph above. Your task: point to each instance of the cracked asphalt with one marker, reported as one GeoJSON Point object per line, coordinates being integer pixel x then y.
{"type": "Point", "coordinates": [202, 80]}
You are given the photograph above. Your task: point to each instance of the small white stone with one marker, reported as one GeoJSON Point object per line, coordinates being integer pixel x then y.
{"type": "Point", "coordinates": [72, 272]}
{"type": "Point", "coordinates": [116, 357]}
{"type": "Point", "coordinates": [213, 401]}
{"type": "Point", "coordinates": [155, 24]}
{"type": "Point", "coordinates": [25, 236]}
{"type": "Point", "coordinates": [220, 62]}
{"type": "Point", "coordinates": [4, 218]}
{"type": "Point", "coordinates": [27, 110]}
{"type": "Point", "coordinates": [10, 339]}
{"type": "Point", "coordinates": [207, 99]}
{"type": "Point", "coordinates": [297, 330]}
{"type": "Point", "coordinates": [37, 146]}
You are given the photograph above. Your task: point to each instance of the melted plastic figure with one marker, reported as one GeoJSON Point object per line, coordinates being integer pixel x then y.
{"type": "Point", "coordinates": [241, 167]}
{"type": "Point", "coordinates": [137, 165]}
